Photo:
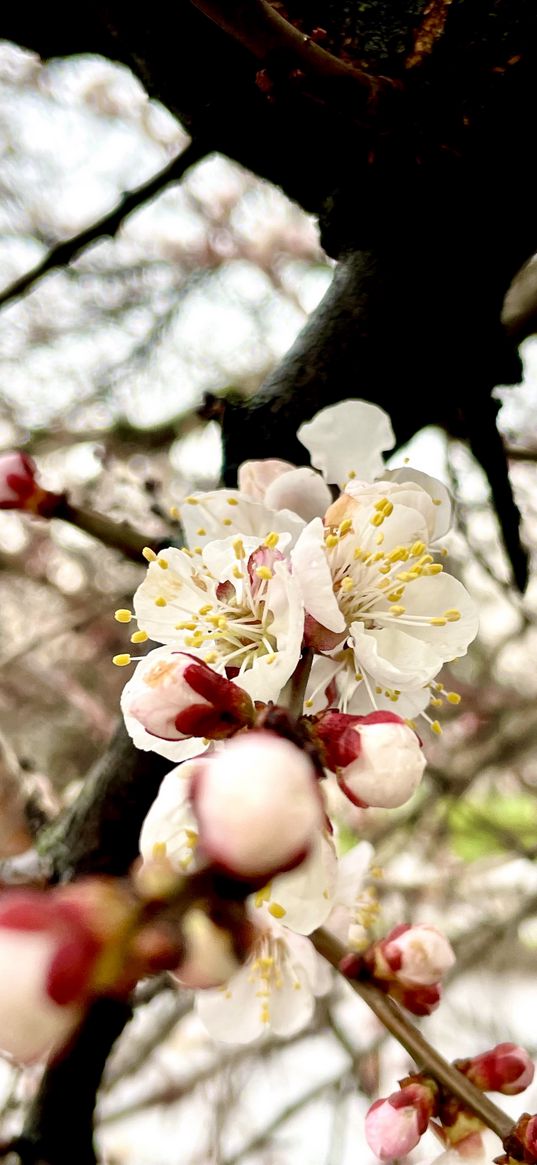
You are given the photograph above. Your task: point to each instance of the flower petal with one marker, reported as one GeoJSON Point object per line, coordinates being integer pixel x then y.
{"type": "Point", "coordinates": [310, 565]}
{"type": "Point", "coordinates": [305, 894]}
{"type": "Point", "coordinates": [171, 823]}
{"type": "Point", "coordinates": [432, 596]}
{"type": "Point", "coordinates": [347, 440]}
{"type": "Point", "coordinates": [437, 491]}
{"type": "Point", "coordinates": [393, 658]}
{"type": "Point", "coordinates": [174, 750]}
{"type": "Point", "coordinates": [207, 517]}
{"type": "Point", "coordinates": [302, 491]}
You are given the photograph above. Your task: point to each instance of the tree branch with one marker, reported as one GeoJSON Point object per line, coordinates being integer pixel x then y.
{"type": "Point", "coordinates": [64, 253]}
{"type": "Point", "coordinates": [425, 1056]}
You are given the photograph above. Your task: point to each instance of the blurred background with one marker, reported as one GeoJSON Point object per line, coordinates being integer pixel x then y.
{"type": "Point", "coordinates": [103, 366]}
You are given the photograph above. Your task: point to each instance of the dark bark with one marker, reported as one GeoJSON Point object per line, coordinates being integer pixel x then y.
{"type": "Point", "coordinates": [429, 170]}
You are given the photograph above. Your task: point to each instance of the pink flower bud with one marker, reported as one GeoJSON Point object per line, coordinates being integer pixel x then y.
{"type": "Point", "coordinates": [46, 959]}
{"type": "Point", "coordinates": [378, 758]}
{"type": "Point", "coordinates": [506, 1068]}
{"type": "Point", "coordinates": [417, 956]}
{"type": "Point", "coordinates": [394, 1126]}
{"type": "Point", "coordinates": [302, 491]}
{"type": "Point", "coordinates": [180, 697]}
{"type": "Point", "coordinates": [258, 805]}
{"type": "Point", "coordinates": [17, 481]}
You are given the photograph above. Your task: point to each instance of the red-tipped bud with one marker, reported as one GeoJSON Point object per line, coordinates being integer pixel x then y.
{"type": "Point", "coordinates": [378, 758]}
{"type": "Point", "coordinates": [417, 956]}
{"type": "Point", "coordinates": [177, 696]}
{"type": "Point", "coordinates": [506, 1068]}
{"type": "Point", "coordinates": [393, 1127]}
{"type": "Point", "coordinates": [19, 489]}
{"type": "Point", "coordinates": [258, 805]}
{"type": "Point", "coordinates": [47, 955]}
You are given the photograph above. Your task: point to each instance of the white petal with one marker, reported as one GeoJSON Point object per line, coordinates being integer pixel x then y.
{"type": "Point", "coordinates": [408, 705]}
{"type": "Point", "coordinates": [255, 477]}
{"type": "Point", "coordinates": [393, 658]}
{"type": "Point", "coordinates": [264, 681]}
{"type": "Point", "coordinates": [301, 490]}
{"type": "Point", "coordinates": [171, 822]}
{"type": "Point", "coordinates": [347, 440]}
{"type": "Point", "coordinates": [431, 596]}
{"type": "Point", "coordinates": [436, 489]}
{"type": "Point", "coordinates": [169, 596]}
{"type": "Point", "coordinates": [310, 565]}
{"type": "Point", "coordinates": [232, 1013]}
{"type": "Point", "coordinates": [305, 894]}
{"type": "Point", "coordinates": [352, 870]}
{"type": "Point", "coordinates": [223, 512]}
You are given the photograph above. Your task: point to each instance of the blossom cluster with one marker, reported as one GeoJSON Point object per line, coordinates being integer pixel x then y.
{"type": "Point", "coordinates": [301, 630]}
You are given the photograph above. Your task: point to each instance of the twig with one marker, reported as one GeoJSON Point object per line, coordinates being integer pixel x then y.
{"type": "Point", "coordinates": [268, 36]}
{"type": "Point", "coordinates": [425, 1056]}
{"type": "Point", "coordinates": [63, 253]}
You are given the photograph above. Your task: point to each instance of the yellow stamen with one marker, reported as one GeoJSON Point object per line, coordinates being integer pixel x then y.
{"type": "Point", "coordinates": [436, 727]}
{"type": "Point", "coordinates": [175, 513]}
{"type": "Point", "coordinates": [227, 522]}
{"type": "Point", "coordinates": [377, 519]}
{"type": "Point", "coordinates": [453, 698]}
{"type": "Point", "coordinates": [452, 615]}
{"type": "Point", "coordinates": [185, 626]}
{"type": "Point", "coordinates": [379, 538]}
{"type": "Point", "coordinates": [331, 541]}
{"type": "Point", "coordinates": [201, 532]}
{"type": "Point", "coordinates": [149, 554]}
{"type": "Point", "coordinates": [211, 657]}
{"type": "Point", "coordinates": [161, 601]}
{"type": "Point", "coordinates": [192, 501]}
{"type": "Point", "coordinates": [264, 572]}
{"type": "Point", "coordinates": [271, 540]}
{"type": "Point", "coordinates": [123, 615]}
{"type": "Point", "coordinates": [346, 525]}
{"type": "Point", "coordinates": [232, 502]}
{"type": "Point", "coordinates": [435, 568]}
{"type": "Point", "coordinates": [121, 660]}
{"type": "Point", "coordinates": [237, 572]}
{"type": "Point", "coordinates": [276, 910]}
{"type": "Point", "coordinates": [139, 637]}
{"type": "Point", "coordinates": [438, 621]}
{"type": "Point", "coordinates": [205, 609]}
{"type": "Point", "coordinates": [238, 547]}
{"type": "Point", "coordinates": [397, 611]}
{"type": "Point", "coordinates": [159, 850]}
{"type": "Point", "coordinates": [163, 563]}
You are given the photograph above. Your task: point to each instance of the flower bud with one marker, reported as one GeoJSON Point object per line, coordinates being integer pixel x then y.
{"type": "Point", "coordinates": [46, 958]}
{"type": "Point", "coordinates": [506, 1068]}
{"type": "Point", "coordinates": [179, 696]}
{"type": "Point", "coordinates": [301, 490]}
{"type": "Point", "coordinates": [394, 1126]}
{"type": "Point", "coordinates": [417, 956]}
{"type": "Point", "coordinates": [378, 758]}
{"type": "Point", "coordinates": [258, 805]}
{"type": "Point", "coordinates": [19, 489]}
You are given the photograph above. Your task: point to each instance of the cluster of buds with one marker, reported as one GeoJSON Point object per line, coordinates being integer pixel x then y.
{"type": "Point", "coordinates": [395, 1125]}
{"type": "Point", "coordinates": [19, 489]}
{"type": "Point", "coordinates": [378, 759]}
{"type": "Point", "coordinates": [179, 697]}
{"type": "Point", "coordinates": [407, 965]}
{"type": "Point", "coordinates": [61, 948]}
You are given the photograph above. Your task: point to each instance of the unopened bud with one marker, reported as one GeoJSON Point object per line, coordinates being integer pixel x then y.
{"type": "Point", "coordinates": [417, 956]}
{"type": "Point", "coordinates": [378, 758]}
{"type": "Point", "coordinates": [175, 696]}
{"type": "Point", "coordinates": [393, 1127]}
{"type": "Point", "coordinates": [506, 1068]}
{"type": "Point", "coordinates": [258, 805]}
{"type": "Point", "coordinates": [19, 489]}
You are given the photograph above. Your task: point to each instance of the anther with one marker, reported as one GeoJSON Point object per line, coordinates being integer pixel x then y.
{"type": "Point", "coordinates": [123, 615]}
{"type": "Point", "coordinates": [121, 660]}
{"type": "Point", "coordinates": [149, 554]}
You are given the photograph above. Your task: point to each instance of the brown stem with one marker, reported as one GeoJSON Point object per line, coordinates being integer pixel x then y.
{"type": "Point", "coordinates": [425, 1056]}
{"type": "Point", "coordinates": [299, 683]}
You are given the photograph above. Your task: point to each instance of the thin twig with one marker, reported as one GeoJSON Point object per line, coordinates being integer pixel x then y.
{"type": "Point", "coordinates": [65, 252]}
{"type": "Point", "coordinates": [425, 1056]}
